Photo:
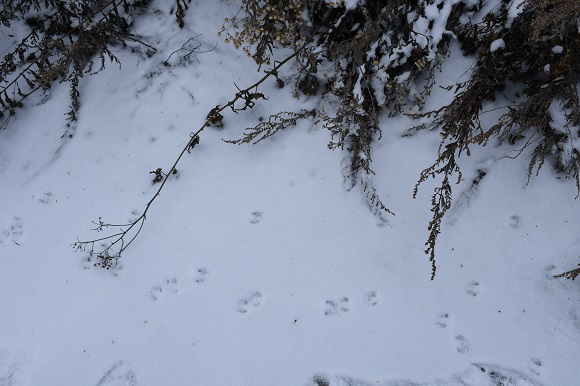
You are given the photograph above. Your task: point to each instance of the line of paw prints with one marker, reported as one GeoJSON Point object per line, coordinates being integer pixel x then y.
{"type": "Point", "coordinates": [172, 286]}
{"type": "Point", "coordinates": [461, 343]}
{"type": "Point", "coordinates": [254, 298]}
{"type": "Point", "coordinates": [337, 307]}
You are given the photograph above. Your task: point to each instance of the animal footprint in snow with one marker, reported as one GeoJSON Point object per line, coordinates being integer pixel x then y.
{"type": "Point", "coordinates": [201, 275]}
{"type": "Point", "coordinates": [548, 271]}
{"type": "Point", "coordinates": [170, 285]}
{"type": "Point", "coordinates": [15, 231]}
{"type": "Point", "coordinates": [472, 288]}
{"type": "Point", "coordinates": [256, 217]}
{"type": "Point", "coordinates": [463, 345]}
{"type": "Point", "coordinates": [45, 198]}
{"type": "Point", "coordinates": [515, 221]}
{"type": "Point", "coordinates": [371, 298]}
{"type": "Point", "coordinates": [535, 365]}
{"type": "Point", "coordinates": [442, 320]}
{"type": "Point", "coordinates": [253, 300]}
{"type": "Point", "coordinates": [155, 292]}
{"type": "Point", "coordinates": [336, 307]}
{"type": "Point", "coordinates": [4, 235]}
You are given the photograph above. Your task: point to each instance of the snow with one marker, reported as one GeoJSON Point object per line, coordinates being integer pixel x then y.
{"type": "Point", "coordinates": [496, 45]}
{"type": "Point", "coordinates": [256, 266]}
{"type": "Point", "coordinates": [547, 68]}
{"type": "Point", "coordinates": [348, 4]}
{"type": "Point", "coordinates": [515, 8]}
{"type": "Point", "coordinates": [357, 91]}
{"type": "Point", "coordinates": [570, 146]}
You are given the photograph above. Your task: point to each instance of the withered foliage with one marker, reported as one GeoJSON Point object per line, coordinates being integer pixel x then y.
{"type": "Point", "coordinates": [181, 7]}
{"type": "Point", "coordinates": [259, 25]}
{"type": "Point", "coordinates": [369, 57]}
{"type": "Point", "coordinates": [538, 55]}
{"type": "Point", "coordinates": [66, 41]}
{"type": "Point", "coordinates": [379, 57]}
{"type": "Point", "coordinates": [572, 274]}
{"type": "Point", "coordinates": [361, 60]}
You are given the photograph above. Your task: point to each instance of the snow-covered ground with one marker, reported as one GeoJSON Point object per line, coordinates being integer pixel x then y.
{"type": "Point", "coordinates": [256, 266]}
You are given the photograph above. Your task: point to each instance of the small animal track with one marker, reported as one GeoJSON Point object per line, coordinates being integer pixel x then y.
{"type": "Point", "coordinates": [4, 235]}
{"type": "Point", "coordinates": [155, 292]}
{"type": "Point", "coordinates": [472, 288]}
{"type": "Point", "coordinates": [535, 365]}
{"type": "Point", "coordinates": [45, 198]}
{"type": "Point", "coordinates": [201, 275]}
{"type": "Point", "coordinates": [371, 298]}
{"type": "Point", "coordinates": [336, 307]}
{"type": "Point", "coordinates": [442, 320]}
{"type": "Point", "coordinates": [256, 217]}
{"type": "Point", "coordinates": [251, 301]}
{"type": "Point", "coordinates": [463, 345]}
{"type": "Point", "coordinates": [134, 216]}
{"type": "Point", "coordinates": [169, 286]}
{"type": "Point", "coordinates": [515, 221]}
{"type": "Point", "coordinates": [548, 270]}
{"type": "Point", "coordinates": [15, 232]}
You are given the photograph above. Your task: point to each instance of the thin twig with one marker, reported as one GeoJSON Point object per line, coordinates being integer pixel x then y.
{"type": "Point", "coordinates": [108, 257]}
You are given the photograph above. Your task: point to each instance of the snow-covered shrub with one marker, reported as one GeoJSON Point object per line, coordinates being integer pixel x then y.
{"type": "Point", "coordinates": [371, 56]}
{"type": "Point", "coordinates": [361, 59]}
{"type": "Point", "coordinates": [378, 57]}
{"type": "Point", "coordinates": [532, 47]}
